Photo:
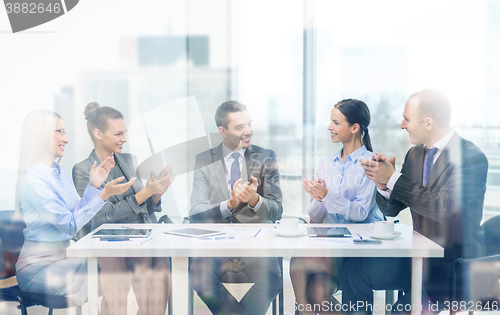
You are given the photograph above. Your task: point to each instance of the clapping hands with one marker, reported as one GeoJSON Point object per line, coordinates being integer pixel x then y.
{"type": "Point", "coordinates": [113, 188]}
{"type": "Point", "coordinates": [316, 189]}
{"type": "Point", "coordinates": [157, 185]}
{"type": "Point", "coordinates": [244, 193]}
{"type": "Point", "coordinates": [379, 169]}
{"type": "Point", "coordinates": [99, 174]}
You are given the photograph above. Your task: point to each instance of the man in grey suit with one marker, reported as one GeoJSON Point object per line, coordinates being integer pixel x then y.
{"type": "Point", "coordinates": [236, 182]}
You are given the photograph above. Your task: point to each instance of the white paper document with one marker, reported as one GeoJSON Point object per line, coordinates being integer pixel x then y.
{"type": "Point", "coordinates": [246, 232]}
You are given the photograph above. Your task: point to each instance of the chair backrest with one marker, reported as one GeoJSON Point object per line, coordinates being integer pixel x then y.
{"type": "Point", "coordinates": [11, 242]}
{"type": "Point", "coordinates": [492, 235]}
{"type": "Point", "coordinates": [164, 219]}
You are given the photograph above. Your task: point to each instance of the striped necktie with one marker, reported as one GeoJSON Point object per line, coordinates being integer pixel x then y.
{"type": "Point", "coordinates": [429, 161]}
{"type": "Point", "coordinates": [235, 169]}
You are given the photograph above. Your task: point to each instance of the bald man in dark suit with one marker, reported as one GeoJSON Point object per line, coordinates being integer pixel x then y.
{"type": "Point", "coordinates": [443, 182]}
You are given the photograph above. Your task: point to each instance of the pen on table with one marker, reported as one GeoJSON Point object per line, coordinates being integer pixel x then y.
{"type": "Point", "coordinates": [114, 240]}
{"type": "Point", "coordinates": [147, 240]}
{"type": "Point", "coordinates": [224, 238]}
{"type": "Point", "coordinates": [360, 237]}
{"type": "Point", "coordinates": [257, 233]}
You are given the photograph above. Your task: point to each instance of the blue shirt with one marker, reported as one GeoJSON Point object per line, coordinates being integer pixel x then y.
{"type": "Point", "coordinates": [351, 196]}
{"type": "Point", "coordinates": [50, 204]}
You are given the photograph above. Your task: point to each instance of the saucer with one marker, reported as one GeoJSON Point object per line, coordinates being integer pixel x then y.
{"type": "Point", "coordinates": [298, 232]}
{"type": "Point", "coordinates": [385, 236]}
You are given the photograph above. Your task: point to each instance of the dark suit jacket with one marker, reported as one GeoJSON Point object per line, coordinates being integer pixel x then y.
{"type": "Point", "coordinates": [210, 187]}
{"type": "Point", "coordinates": [449, 209]}
{"type": "Point", "coordinates": [119, 208]}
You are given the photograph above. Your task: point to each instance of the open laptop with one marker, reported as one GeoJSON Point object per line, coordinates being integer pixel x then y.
{"type": "Point", "coordinates": [194, 232]}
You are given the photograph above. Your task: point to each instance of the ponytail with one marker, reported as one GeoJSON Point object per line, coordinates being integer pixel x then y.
{"type": "Point", "coordinates": [357, 112]}
{"type": "Point", "coordinates": [366, 139]}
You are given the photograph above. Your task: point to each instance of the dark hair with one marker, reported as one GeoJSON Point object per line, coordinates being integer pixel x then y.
{"type": "Point", "coordinates": [434, 104]}
{"type": "Point", "coordinates": [97, 117]}
{"type": "Point", "coordinates": [357, 112]}
{"type": "Point", "coordinates": [224, 109]}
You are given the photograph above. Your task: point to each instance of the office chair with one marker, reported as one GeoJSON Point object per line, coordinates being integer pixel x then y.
{"type": "Point", "coordinates": [492, 235]}
{"type": "Point", "coordinates": [11, 242]}
{"type": "Point", "coordinates": [236, 277]}
{"type": "Point", "coordinates": [477, 279]}
{"type": "Point", "coordinates": [239, 277]}
{"type": "Point", "coordinates": [166, 219]}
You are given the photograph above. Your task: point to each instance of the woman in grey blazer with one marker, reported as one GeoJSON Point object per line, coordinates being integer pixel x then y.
{"type": "Point", "coordinates": [149, 277]}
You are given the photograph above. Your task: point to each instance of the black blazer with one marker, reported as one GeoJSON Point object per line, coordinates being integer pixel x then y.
{"type": "Point", "coordinates": [210, 187]}
{"type": "Point", "coordinates": [450, 208]}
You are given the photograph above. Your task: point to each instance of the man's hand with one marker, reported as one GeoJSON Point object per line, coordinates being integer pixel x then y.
{"type": "Point", "coordinates": [248, 192]}
{"type": "Point", "coordinates": [381, 157]}
{"type": "Point", "coordinates": [234, 201]}
{"type": "Point", "coordinates": [379, 169]}
{"type": "Point", "coordinates": [316, 189]}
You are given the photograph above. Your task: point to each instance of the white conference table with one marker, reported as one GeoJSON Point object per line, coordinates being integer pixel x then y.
{"type": "Point", "coordinates": [410, 244]}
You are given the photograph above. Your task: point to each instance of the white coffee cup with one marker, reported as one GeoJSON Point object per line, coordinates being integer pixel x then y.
{"type": "Point", "coordinates": [382, 228]}
{"type": "Point", "coordinates": [287, 225]}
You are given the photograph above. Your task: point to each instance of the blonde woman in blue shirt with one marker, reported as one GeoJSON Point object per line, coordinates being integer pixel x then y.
{"type": "Point", "coordinates": [52, 210]}
{"type": "Point", "coordinates": [340, 194]}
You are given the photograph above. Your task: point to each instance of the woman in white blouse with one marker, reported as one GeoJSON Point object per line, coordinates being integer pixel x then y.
{"type": "Point", "coordinates": [52, 210]}
{"type": "Point", "coordinates": [341, 193]}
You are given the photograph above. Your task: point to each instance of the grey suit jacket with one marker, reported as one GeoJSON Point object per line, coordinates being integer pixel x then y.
{"type": "Point", "coordinates": [118, 208]}
{"type": "Point", "coordinates": [449, 209]}
{"type": "Point", "coordinates": [210, 187]}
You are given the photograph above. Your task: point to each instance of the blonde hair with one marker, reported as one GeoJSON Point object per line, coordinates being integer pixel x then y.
{"type": "Point", "coordinates": [36, 137]}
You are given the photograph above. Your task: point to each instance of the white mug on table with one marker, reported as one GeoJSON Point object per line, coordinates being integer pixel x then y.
{"type": "Point", "coordinates": [382, 228]}
{"type": "Point", "coordinates": [287, 225]}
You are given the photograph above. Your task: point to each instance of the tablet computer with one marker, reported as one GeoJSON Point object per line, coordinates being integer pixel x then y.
{"type": "Point", "coordinates": [328, 231]}
{"type": "Point", "coordinates": [122, 233]}
{"type": "Point", "coordinates": [194, 232]}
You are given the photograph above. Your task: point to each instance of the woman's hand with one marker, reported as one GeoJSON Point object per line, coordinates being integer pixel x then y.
{"type": "Point", "coordinates": [161, 185]}
{"type": "Point", "coordinates": [99, 174]}
{"type": "Point", "coordinates": [158, 185]}
{"type": "Point", "coordinates": [166, 170]}
{"type": "Point", "coordinates": [316, 189]}
{"type": "Point", "coordinates": [113, 188]}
